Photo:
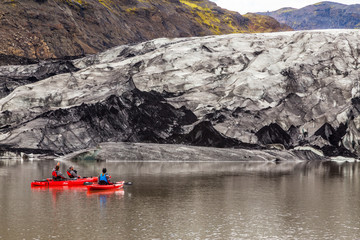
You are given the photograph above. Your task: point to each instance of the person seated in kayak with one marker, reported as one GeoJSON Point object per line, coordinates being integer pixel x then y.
{"type": "Point", "coordinates": [104, 178]}
{"type": "Point", "coordinates": [72, 173]}
{"type": "Point", "coordinates": [57, 175]}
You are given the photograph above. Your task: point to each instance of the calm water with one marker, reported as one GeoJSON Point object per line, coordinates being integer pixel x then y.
{"type": "Point", "coordinates": [185, 201]}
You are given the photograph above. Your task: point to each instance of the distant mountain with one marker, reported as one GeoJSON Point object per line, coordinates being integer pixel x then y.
{"type": "Point", "coordinates": [323, 15]}
{"type": "Point", "coordinates": [43, 29]}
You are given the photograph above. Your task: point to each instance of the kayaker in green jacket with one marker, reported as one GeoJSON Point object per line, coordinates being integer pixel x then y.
{"type": "Point", "coordinates": [104, 178]}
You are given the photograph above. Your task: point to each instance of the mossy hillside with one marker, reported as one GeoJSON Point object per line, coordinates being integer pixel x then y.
{"type": "Point", "coordinates": [205, 14]}
{"type": "Point", "coordinates": [11, 3]}
{"type": "Point", "coordinates": [80, 4]}
{"type": "Point", "coordinates": [107, 3]}
{"type": "Point", "coordinates": [41, 29]}
{"type": "Point", "coordinates": [261, 23]}
{"type": "Point", "coordinates": [201, 11]}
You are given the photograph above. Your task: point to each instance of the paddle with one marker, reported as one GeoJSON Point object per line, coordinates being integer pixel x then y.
{"type": "Point", "coordinates": [125, 183]}
{"type": "Point", "coordinates": [44, 180]}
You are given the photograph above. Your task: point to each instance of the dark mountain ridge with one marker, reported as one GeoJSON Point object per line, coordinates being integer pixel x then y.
{"type": "Point", "coordinates": [322, 15]}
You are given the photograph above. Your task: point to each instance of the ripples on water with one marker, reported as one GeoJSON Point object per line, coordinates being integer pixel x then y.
{"type": "Point", "coordinates": [308, 200]}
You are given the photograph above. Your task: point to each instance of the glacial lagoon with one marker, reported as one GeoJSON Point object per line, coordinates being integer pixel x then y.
{"type": "Point", "coordinates": [185, 200]}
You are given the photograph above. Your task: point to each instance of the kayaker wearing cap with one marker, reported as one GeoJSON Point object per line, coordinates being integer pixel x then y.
{"type": "Point", "coordinates": [72, 173]}
{"type": "Point", "coordinates": [104, 178]}
{"type": "Point", "coordinates": [56, 174]}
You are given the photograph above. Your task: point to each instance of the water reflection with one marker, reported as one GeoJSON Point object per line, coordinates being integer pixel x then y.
{"type": "Point", "coordinates": [325, 168]}
{"type": "Point", "coordinates": [106, 195]}
{"type": "Point", "coordinates": [11, 162]}
{"type": "Point", "coordinates": [329, 169]}
{"type": "Point", "coordinates": [117, 192]}
{"type": "Point", "coordinates": [267, 169]}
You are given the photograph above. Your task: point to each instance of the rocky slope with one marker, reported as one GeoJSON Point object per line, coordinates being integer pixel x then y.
{"type": "Point", "coordinates": [42, 29]}
{"type": "Point", "coordinates": [296, 92]}
{"type": "Point", "coordinates": [323, 15]}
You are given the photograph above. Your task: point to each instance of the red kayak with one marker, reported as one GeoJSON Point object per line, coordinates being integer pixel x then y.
{"type": "Point", "coordinates": [96, 186]}
{"type": "Point", "coordinates": [73, 182]}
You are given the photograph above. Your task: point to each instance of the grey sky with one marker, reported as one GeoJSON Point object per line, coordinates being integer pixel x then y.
{"type": "Point", "coordinates": [243, 6]}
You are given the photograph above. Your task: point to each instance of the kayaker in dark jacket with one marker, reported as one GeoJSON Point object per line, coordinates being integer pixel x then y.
{"type": "Point", "coordinates": [72, 173]}
{"type": "Point", "coordinates": [104, 178]}
{"type": "Point", "coordinates": [56, 174]}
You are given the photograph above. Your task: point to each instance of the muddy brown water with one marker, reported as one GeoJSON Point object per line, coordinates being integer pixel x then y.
{"type": "Point", "coordinates": [179, 200]}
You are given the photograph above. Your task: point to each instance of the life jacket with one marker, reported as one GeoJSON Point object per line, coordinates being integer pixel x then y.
{"type": "Point", "coordinates": [102, 177]}
{"type": "Point", "coordinates": [55, 175]}
{"type": "Point", "coordinates": [69, 174]}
